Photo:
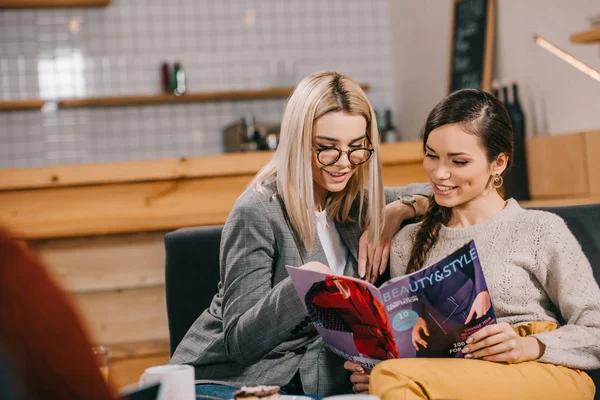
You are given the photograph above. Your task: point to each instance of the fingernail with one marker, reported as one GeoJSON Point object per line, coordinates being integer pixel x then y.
{"type": "Point", "coordinates": [468, 355]}
{"type": "Point", "coordinates": [466, 349]}
{"type": "Point", "coordinates": [470, 340]}
{"type": "Point", "coordinates": [359, 369]}
{"type": "Point", "coordinates": [361, 274]}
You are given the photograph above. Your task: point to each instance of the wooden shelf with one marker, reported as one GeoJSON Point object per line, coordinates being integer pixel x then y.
{"type": "Point", "coordinates": [21, 105]}
{"type": "Point", "coordinates": [116, 101]}
{"type": "Point", "coordinates": [591, 36]}
{"type": "Point", "coordinates": [160, 98]}
{"type": "Point", "coordinates": [231, 95]}
{"type": "Point", "coordinates": [52, 3]}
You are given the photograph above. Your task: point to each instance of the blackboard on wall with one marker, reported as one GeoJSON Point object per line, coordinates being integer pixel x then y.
{"type": "Point", "coordinates": [472, 44]}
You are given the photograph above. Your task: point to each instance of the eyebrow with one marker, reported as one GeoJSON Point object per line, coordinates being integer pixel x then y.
{"type": "Point", "coordinates": [335, 140]}
{"type": "Point", "coordinates": [450, 154]}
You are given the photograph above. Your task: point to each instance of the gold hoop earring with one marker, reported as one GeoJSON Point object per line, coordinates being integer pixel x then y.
{"type": "Point", "coordinates": [498, 181]}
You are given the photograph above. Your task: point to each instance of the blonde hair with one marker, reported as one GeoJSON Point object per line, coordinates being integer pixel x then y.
{"type": "Point", "coordinates": [315, 96]}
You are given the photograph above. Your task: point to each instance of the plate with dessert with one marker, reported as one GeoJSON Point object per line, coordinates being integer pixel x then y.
{"type": "Point", "coordinates": [264, 393]}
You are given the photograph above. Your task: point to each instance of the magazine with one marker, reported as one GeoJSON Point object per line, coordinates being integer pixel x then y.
{"type": "Point", "coordinates": [429, 313]}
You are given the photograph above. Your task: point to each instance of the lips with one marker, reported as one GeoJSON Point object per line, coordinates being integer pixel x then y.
{"type": "Point", "coordinates": [336, 176]}
{"type": "Point", "coordinates": [443, 190]}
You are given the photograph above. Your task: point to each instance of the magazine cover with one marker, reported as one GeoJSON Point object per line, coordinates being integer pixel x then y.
{"type": "Point", "coordinates": [429, 313]}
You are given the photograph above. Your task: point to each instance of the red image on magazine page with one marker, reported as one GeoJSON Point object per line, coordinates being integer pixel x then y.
{"type": "Point", "coordinates": [346, 305]}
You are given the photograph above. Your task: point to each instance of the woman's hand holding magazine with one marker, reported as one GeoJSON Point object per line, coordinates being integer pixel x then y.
{"type": "Point", "coordinates": [359, 378]}
{"type": "Point", "coordinates": [500, 343]}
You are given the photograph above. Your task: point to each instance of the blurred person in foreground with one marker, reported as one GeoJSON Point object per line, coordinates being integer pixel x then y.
{"type": "Point", "coordinates": [43, 344]}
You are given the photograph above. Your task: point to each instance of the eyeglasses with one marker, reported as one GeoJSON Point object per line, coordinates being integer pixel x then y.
{"type": "Point", "coordinates": [331, 155]}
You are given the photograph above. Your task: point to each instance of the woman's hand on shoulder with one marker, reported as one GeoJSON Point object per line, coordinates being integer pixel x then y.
{"type": "Point", "coordinates": [359, 378]}
{"type": "Point", "coordinates": [500, 343]}
{"type": "Point", "coordinates": [373, 257]}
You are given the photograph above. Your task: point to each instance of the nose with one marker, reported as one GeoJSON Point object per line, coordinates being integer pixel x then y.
{"type": "Point", "coordinates": [441, 173]}
{"type": "Point", "coordinates": [344, 160]}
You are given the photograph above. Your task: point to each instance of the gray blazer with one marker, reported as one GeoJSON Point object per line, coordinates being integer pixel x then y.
{"type": "Point", "coordinates": [256, 330]}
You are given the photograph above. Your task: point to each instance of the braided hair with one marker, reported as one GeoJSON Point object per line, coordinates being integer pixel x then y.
{"type": "Point", "coordinates": [480, 114]}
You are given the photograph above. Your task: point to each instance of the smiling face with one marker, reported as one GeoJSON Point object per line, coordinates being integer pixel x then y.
{"type": "Point", "coordinates": [458, 166]}
{"type": "Point", "coordinates": [342, 131]}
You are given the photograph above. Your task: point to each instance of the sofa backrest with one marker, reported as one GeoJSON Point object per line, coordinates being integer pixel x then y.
{"type": "Point", "coordinates": [191, 276]}
{"type": "Point", "coordinates": [584, 222]}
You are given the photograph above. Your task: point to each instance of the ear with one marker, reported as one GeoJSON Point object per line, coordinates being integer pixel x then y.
{"type": "Point", "coordinates": [500, 164]}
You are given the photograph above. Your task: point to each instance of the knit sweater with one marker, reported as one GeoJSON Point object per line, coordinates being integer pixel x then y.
{"type": "Point", "coordinates": [531, 261]}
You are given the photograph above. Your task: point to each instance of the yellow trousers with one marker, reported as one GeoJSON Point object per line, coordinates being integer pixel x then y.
{"type": "Point", "coordinates": [450, 378]}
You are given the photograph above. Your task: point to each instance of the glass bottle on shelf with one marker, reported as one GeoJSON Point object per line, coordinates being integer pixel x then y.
{"type": "Point", "coordinates": [179, 80]}
{"type": "Point", "coordinates": [165, 77]}
{"type": "Point", "coordinates": [505, 99]}
{"type": "Point", "coordinates": [517, 183]}
{"type": "Point", "coordinates": [378, 121]}
{"type": "Point", "coordinates": [249, 133]}
{"type": "Point", "coordinates": [389, 132]}
{"type": "Point", "coordinates": [496, 93]}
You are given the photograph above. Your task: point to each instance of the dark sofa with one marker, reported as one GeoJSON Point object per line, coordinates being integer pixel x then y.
{"type": "Point", "coordinates": [192, 267]}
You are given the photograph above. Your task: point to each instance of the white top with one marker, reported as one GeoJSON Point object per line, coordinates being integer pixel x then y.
{"type": "Point", "coordinates": [334, 248]}
{"type": "Point", "coordinates": [530, 260]}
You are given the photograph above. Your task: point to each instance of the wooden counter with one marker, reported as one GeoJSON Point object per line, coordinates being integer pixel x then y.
{"type": "Point", "coordinates": [141, 196]}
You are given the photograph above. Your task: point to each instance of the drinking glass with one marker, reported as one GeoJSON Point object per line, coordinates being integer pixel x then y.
{"type": "Point", "coordinates": [101, 355]}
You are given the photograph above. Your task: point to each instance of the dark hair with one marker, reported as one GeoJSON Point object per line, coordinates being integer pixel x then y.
{"type": "Point", "coordinates": [480, 114]}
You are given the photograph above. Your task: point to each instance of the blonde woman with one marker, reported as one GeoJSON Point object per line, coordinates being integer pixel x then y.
{"type": "Point", "coordinates": [307, 207]}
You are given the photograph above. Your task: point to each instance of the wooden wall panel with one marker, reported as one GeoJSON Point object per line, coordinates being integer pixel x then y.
{"type": "Point", "coordinates": [592, 153]}
{"type": "Point", "coordinates": [138, 349]}
{"type": "Point", "coordinates": [128, 316]}
{"type": "Point", "coordinates": [128, 371]}
{"type": "Point", "coordinates": [100, 263]}
{"type": "Point", "coordinates": [404, 174]}
{"type": "Point", "coordinates": [557, 166]}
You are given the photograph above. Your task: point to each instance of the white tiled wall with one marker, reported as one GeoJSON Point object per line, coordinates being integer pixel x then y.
{"type": "Point", "coordinates": [223, 44]}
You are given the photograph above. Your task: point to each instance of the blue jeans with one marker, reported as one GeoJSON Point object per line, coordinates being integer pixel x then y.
{"type": "Point", "coordinates": [211, 391]}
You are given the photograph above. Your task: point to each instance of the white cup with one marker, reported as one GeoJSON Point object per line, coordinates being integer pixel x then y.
{"type": "Point", "coordinates": [176, 381]}
{"type": "Point", "coordinates": [352, 397]}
